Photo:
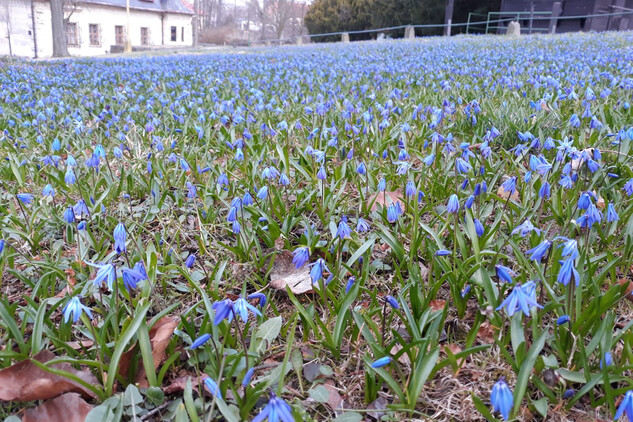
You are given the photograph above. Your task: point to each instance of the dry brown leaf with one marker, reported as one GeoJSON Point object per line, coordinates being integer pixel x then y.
{"type": "Point", "coordinates": [404, 358]}
{"type": "Point", "coordinates": [285, 274]}
{"type": "Point", "coordinates": [504, 194]}
{"type": "Point", "coordinates": [177, 385]}
{"type": "Point", "coordinates": [79, 345]}
{"type": "Point", "coordinates": [335, 400]}
{"type": "Point", "coordinates": [69, 407]}
{"type": "Point", "coordinates": [24, 381]}
{"type": "Point", "coordinates": [486, 333]}
{"type": "Point", "coordinates": [384, 199]}
{"type": "Point", "coordinates": [437, 304]}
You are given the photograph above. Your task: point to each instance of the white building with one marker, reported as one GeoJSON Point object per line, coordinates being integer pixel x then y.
{"type": "Point", "coordinates": [93, 26]}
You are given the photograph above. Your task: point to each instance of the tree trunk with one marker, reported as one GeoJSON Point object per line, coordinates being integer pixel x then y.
{"type": "Point", "coordinates": [196, 22]}
{"type": "Point", "coordinates": [59, 29]}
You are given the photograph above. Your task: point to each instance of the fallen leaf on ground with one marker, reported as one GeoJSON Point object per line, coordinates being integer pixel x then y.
{"type": "Point", "coordinates": [284, 273]}
{"type": "Point", "coordinates": [504, 194]}
{"type": "Point", "coordinates": [404, 358]}
{"type": "Point", "coordinates": [24, 381]}
{"type": "Point", "coordinates": [379, 405]}
{"type": "Point", "coordinates": [437, 304]}
{"type": "Point", "coordinates": [177, 385]}
{"type": "Point", "coordinates": [486, 333]}
{"type": "Point", "coordinates": [335, 400]}
{"type": "Point", "coordinates": [384, 199]}
{"type": "Point", "coordinates": [69, 407]}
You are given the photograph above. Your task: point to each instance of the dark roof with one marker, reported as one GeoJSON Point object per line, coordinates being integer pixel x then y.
{"type": "Point", "coordinates": [172, 6]}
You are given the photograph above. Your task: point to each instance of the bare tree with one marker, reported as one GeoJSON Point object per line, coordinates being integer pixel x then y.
{"type": "Point", "coordinates": [6, 18]}
{"type": "Point", "coordinates": [280, 12]}
{"type": "Point", "coordinates": [273, 14]}
{"type": "Point", "coordinates": [60, 48]}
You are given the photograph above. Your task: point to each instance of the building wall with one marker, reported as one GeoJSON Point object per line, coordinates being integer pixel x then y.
{"type": "Point", "coordinates": [16, 26]}
{"type": "Point", "coordinates": [183, 24]}
{"type": "Point", "coordinates": [158, 25]}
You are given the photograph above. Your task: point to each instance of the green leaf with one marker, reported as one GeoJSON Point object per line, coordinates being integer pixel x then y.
{"type": "Point", "coordinates": [266, 333]}
{"type": "Point", "coordinates": [319, 393]}
{"type": "Point", "coordinates": [541, 406]}
{"type": "Point", "coordinates": [349, 417]}
{"type": "Point", "coordinates": [526, 370]}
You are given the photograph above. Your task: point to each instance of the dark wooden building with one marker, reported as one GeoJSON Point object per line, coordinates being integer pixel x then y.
{"type": "Point", "coordinates": [561, 15]}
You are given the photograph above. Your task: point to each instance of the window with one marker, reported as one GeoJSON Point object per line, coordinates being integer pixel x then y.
{"type": "Point", "coordinates": [118, 35]}
{"type": "Point", "coordinates": [174, 34]}
{"type": "Point", "coordinates": [144, 36]}
{"type": "Point", "coordinates": [95, 38]}
{"type": "Point", "coordinates": [182, 34]}
{"type": "Point", "coordinates": [71, 34]}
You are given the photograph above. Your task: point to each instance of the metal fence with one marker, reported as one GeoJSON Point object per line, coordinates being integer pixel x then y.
{"type": "Point", "coordinates": [488, 24]}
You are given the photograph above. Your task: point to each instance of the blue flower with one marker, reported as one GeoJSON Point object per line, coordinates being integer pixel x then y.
{"type": "Point", "coordinates": [501, 398]}
{"type": "Point", "coordinates": [442, 252]}
{"type": "Point", "coordinates": [392, 302]}
{"type": "Point", "coordinates": [247, 199]}
{"type": "Point", "coordinates": [521, 298]}
{"type": "Point", "coordinates": [200, 341]}
{"type": "Point", "coordinates": [383, 361]}
{"type": "Point", "coordinates": [392, 213]}
{"type": "Point", "coordinates": [538, 252]}
{"type": "Point", "coordinates": [316, 273]}
{"type": "Point", "coordinates": [248, 376]}
{"type": "Point", "coordinates": [563, 319]}
{"type": "Point", "coordinates": [260, 297]}
{"type": "Point", "coordinates": [25, 198]}
{"type": "Point", "coordinates": [545, 190]}
{"type": "Point", "coordinates": [628, 188]}
{"type": "Point", "coordinates": [361, 169]}
{"type": "Point", "coordinates": [131, 278]}
{"type": "Point", "coordinates": [276, 410]}
{"type": "Point", "coordinates": [567, 272]}
{"type": "Point", "coordinates": [525, 229]}
{"type": "Point", "coordinates": [191, 259]}
{"type": "Point", "coordinates": [382, 185]}
{"type": "Point", "coordinates": [570, 247]}
{"type": "Point", "coordinates": [504, 273]}
{"type": "Point", "coordinates": [343, 230]}
{"type": "Point", "coordinates": [75, 308]}
{"type": "Point", "coordinates": [80, 208]}
{"type": "Point", "coordinates": [410, 189]}
{"type": "Point", "coordinates": [350, 283]}
{"type": "Point", "coordinates": [2, 243]}
{"type": "Point", "coordinates": [105, 272]}
{"type": "Point", "coordinates": [232, 215]}
{"type": "Point", "coordinates": [321, 174]}
{"type": "Point", "coordinates": [453, 204]}
{"type": "Point", "coordinates": [462, 166]}
{"type": "Point", "coordinates": [479, 228]}
{"type": "Point", "coordinates": [223, 310]}
{"type": "Point", "coordinates": [81, 225]}
{"type": "Point", "coordinates": [626, 407]}
{"type": "Point", "coordinates": [362, 226]}
{"type": "Point", "coordinates": [69, 215]}
{"type": "Point", "coordinates": [263, 192]}
{"type": "Point", "coordinates": [241, 308]}
{"type": "Point", "coordinates": [70, 177]}
{"type": "Point", "coordinates": [611, 214]}
{"type": "Point", "coordinates": [120, 236]}
{"type": "Point", "coordinates": [48, 191]}
{"type": "Point", "coordinates": [300, 256]}
{"type": "Point", "coordinates": [510, 185]}
{"type": "Point", "coordinates": [212, 387]}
